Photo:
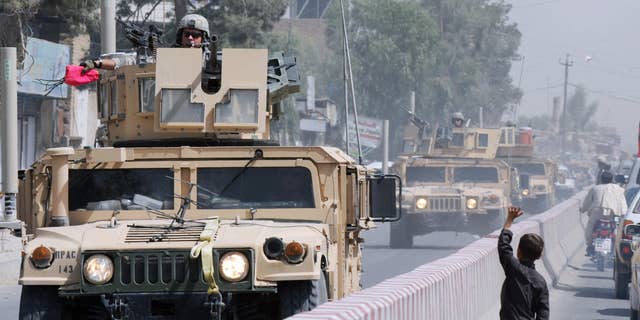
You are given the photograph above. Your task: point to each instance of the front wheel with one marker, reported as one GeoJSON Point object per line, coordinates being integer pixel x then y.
{"type": "Point", "coordinates": [41, 303]}
{"type": "Point", "coordinates": [600, 262]}
{"type": "Point", "coordinates": [400, 235]}
{"type": "Point", "coordinates": [301, 296]}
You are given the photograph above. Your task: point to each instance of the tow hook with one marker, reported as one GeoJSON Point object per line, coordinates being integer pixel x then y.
{"type": "Point", "coordinates": [117, 309]}
{"type": "Point", "coordinates": [216, 306]}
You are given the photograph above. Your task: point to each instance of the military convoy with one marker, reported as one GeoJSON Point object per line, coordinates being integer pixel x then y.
{"type": "Point", "coordinates": [463, 179]}
{"type": "Point", "coordinates": [189, 210]}
{"type": "Point", "coordinates": [453, 182]}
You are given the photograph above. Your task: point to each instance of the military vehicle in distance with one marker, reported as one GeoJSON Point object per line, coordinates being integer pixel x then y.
{"type": "Point", "coordinates": [537, 176]}
{"type": "Point", "coordinates": [189, 210]}
{"type": "Point", "coordinates": [452, 182]}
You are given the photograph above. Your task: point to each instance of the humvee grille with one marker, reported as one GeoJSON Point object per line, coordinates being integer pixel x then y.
{"type": "Point", "coordinates": [445, 204]}
{"type": "Point", "coordinates": [156, 234]}
{"type": "Point", "coordinates": [166, 271]}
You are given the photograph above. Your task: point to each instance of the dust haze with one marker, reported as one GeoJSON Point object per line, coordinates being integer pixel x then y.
{"type": "Point", "coordinates": [601, 38]}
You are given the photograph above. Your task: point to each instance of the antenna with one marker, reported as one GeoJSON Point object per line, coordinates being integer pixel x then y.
{"type": "Point", "coordinates": [349, 74]}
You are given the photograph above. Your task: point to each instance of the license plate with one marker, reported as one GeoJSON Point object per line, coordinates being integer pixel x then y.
{"type": "Point", "coordinates": [603, 244]}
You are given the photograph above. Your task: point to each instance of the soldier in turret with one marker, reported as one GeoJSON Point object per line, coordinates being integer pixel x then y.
{"type": "Point", "coordinates": [457, 120]}
{"type": "Point", "coordinates": [193, 32]}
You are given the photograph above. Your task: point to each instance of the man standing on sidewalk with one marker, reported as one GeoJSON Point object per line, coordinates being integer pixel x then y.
{"type": "Point", "coordinates": [525, 294]}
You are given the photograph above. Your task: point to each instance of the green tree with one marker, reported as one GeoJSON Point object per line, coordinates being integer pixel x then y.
{"type": "Point", "coordinates": [391, 44]}
{"type": "Point", "coordinates": [473, 58]}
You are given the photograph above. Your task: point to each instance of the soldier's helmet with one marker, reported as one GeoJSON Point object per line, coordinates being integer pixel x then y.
{"type": "Point", "coordinates": [457, 116]}
{"type": "Point", "coordinates": [193, 21]}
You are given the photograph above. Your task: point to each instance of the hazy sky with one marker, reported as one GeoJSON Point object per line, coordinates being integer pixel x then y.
{"type": "Point", "coordinates": [607, 31]}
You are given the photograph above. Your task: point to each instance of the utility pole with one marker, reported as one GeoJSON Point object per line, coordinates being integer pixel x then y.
{"type": "Point", "coordinates": [563, 123]}
{"type": "Point", "coordinates": [108, 26]}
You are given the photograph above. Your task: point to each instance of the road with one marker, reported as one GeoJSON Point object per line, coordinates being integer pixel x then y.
{"type": "Point", "coordinates": [380, 262]}
{"type": "Point", "coordinates": [585, 293]}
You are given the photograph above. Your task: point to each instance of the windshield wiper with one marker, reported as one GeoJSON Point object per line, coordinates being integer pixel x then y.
{"type": "Point", "coordinates": [257, 155]}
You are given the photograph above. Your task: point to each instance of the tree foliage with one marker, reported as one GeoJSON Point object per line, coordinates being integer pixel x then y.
{"type": "Point", "coordinates": [455, 54]}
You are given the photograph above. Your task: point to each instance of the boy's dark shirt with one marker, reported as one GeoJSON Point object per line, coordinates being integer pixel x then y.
{"type": "Point", "coordinates": [524, 292]}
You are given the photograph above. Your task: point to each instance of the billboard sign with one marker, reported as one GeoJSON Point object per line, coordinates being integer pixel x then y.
{"type": "Point", "coordinates": [370, 131]}
{"type": "Point", "coordinates": [44, 61]}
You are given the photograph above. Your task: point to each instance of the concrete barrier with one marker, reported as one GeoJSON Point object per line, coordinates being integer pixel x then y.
{"type": "Point", "coordinates": [466, 284]}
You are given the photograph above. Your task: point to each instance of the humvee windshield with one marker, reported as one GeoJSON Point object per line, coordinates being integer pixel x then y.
{"type": "Point", "coordinates": [120, 189]}
{"type": "Point", "coordinates": [417, 175]}
{"type": "Point", "coordinates": [475, 174]}
{"type": "Point", "coordinates": [255, 187]}
{"type": "Point", "coordinates": [536, 169]}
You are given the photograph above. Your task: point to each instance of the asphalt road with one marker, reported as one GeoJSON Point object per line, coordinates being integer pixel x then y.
{"type": "Point", "coordinates": [585, 293]}
{"type": "Point", "coordinates": [380, 262]}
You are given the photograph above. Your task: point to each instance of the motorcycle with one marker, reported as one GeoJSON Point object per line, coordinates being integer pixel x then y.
{"type": "Point", "coordinates": [604, 233]}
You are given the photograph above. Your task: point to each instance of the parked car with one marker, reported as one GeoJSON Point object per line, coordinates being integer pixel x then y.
{"type": "Point", "coordinates": [628, 227]}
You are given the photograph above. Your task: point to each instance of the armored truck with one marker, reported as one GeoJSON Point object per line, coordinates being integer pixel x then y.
{"type": "Point", "coordinates": [452, 182]}
{"type": "Point", "coordinates": [537, 176]}
{"type": "Point", "coordinates": [189, 210]}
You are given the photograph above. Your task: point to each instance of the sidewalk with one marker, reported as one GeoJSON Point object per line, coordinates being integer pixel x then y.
{"type": "Point", "coordinates": [585, 293]}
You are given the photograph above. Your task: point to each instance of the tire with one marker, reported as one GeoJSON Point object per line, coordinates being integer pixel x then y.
{"type": "Point", "coordinates": [400, 236]}
{"type": "Point", "coordinates": [600, 262]}
{"type": "Point", "coordinates": [621, 281]}
{"type": "Point", "coordinates": [42, 303]}
{"type": "Point", "coordinates": [301, 296]}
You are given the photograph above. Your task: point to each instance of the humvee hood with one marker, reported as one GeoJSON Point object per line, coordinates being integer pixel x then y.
{"type": "Point", "coordinates": [149, 235]}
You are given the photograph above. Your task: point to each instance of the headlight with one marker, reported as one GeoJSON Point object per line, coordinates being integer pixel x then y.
{"type": "Point", "coordinates": [234, 266]}
{"type": "Point", "coordinates": [421, 203]}
{"type": "Point", "coordinates": [525, 192]}
{"type": "Point", "coordinates": [98, 269]}
{"type": "Point", "coordinates": [472, 203]}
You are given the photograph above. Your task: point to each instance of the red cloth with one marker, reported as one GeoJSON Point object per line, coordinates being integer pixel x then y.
{"type": "Point", "coordinates": [74, 77]}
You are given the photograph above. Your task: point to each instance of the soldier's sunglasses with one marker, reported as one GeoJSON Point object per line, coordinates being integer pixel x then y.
{"type": "Point", "coordinates": [194, 34]}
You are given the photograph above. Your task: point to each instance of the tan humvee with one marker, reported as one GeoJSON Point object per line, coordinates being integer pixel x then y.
{"type": "Point", "coordinates": [537, 176]}
{"type": "Point", "coordinates": [190, 211]}
{"type": "Point", "coordinates": [452, 183]}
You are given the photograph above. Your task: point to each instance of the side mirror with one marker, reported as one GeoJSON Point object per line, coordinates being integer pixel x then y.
{"type": "Point", "coordinates": [385, 194]}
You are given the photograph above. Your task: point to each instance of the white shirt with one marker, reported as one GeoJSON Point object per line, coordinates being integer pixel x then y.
{"type": "Point", "coordinates": [605, 196]}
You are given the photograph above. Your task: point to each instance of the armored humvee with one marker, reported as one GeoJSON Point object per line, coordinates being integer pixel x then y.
{"type": "Point", "coordinates": [189, 210]}
{"type": "Point", "coordinates": [452, 183]}
{"type": "Point", "coordinates": [537, 176]}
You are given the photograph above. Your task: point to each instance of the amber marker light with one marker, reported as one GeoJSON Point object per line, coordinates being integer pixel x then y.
{"type": "Point", "coordinates": [294, 252]}
{"type": "Point", "coordinates": [41, 257]}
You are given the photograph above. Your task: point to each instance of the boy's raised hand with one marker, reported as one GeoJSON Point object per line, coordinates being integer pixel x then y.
{"type": "Point", "coordinates": [512, 214]}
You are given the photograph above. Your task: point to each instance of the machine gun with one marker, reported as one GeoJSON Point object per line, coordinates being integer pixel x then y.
{"type": "Point", "coordinates": [417, 121]}
{"type": "Point", "coordinates": [145, 42]}
{"type": "Point", "coordinates": [211, 71]}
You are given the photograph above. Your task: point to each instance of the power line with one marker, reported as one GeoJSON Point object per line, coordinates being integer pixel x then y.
{"type": "Point", "coordinates": [543, 88]}
{"type": "Point", "coordinates": [606, 94]}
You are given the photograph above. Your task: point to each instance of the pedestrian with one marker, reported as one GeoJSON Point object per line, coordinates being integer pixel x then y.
{"type": "Point", "coordinates": [524, 294]}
